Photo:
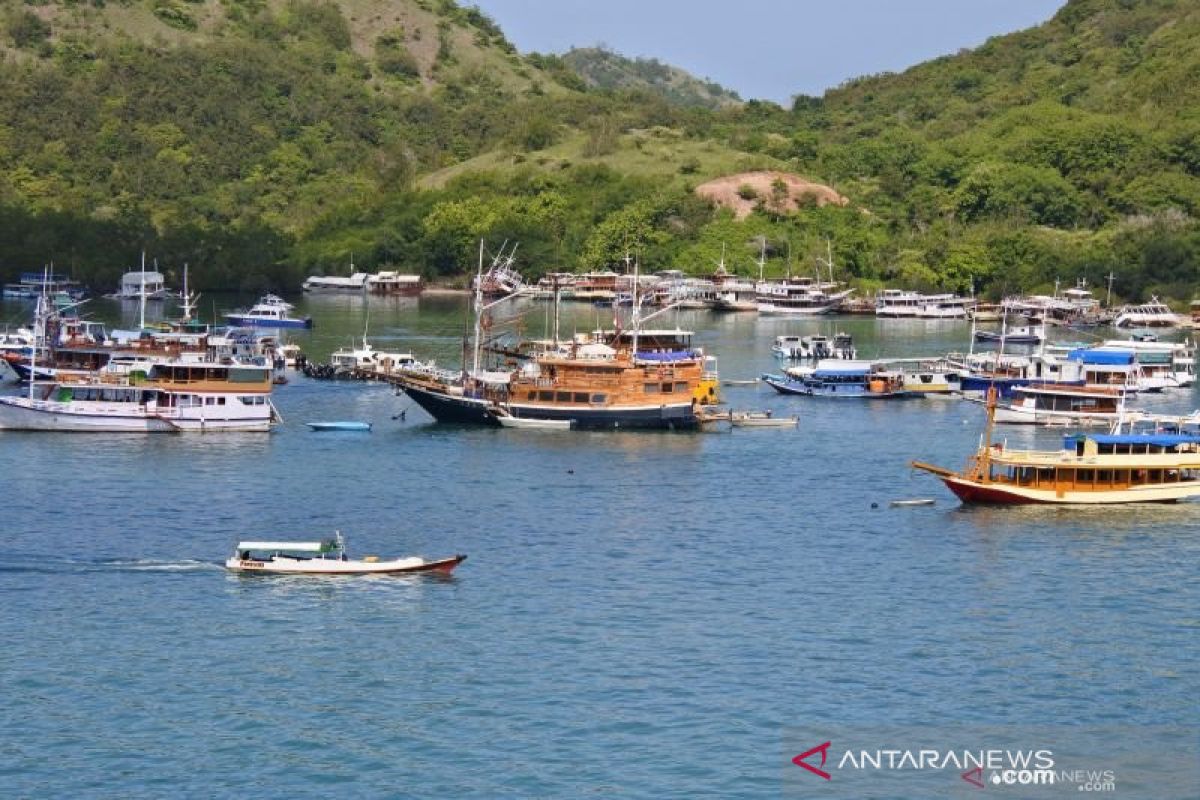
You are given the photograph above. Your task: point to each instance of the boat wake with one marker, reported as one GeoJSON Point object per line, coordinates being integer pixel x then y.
{"type": "Point", "coordinates": [43, 565]}
{"type": "Point", "coordinates": [152, 565]}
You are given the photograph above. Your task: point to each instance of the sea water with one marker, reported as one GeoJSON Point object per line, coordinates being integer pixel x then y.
{"type": "Point", "coordinates": [640, 615]}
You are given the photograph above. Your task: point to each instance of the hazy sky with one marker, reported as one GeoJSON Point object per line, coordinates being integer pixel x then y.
{"type": "Point", "coordinates": [768, 49]}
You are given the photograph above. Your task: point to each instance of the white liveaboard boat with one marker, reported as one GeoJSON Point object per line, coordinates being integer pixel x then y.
{"type": "Point", "coordinates": [148, 283]}
{"type": "Point", "coordinates": [1063, 404]}
{"type": "Point", "coordinates": [898, 303]}
{"type": "Point", "coordinates": [1154, 314]}
{"type": "Point", "coordinates": [326, 557]}
{"type": "Point", "coordinates": [175, 396]}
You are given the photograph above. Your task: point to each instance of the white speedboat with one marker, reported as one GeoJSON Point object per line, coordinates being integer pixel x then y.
{"type": "Point", "coordinates": [760, 419]}
{"type": "Point", "coordinates": [270, 311]}
{"type": "Point", "coordinates": [326, 557]}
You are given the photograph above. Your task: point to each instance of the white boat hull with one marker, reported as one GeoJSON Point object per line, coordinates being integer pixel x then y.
{"type": "Point", "coordinates": [1015, 415]}
{"type": "Point", "coordinates": [23, 414]}
{"type": "Point", "coordinates": [282, 565]}
{"type": "Point", "coordinates": [1007, 494]}
{"type": "Point", "coordinates": [771, 309]}
{"type": "Point", "coordinates": [529, 423]}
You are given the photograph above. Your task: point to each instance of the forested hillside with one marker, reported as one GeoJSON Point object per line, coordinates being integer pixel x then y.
{"type": "Point", "coordinates": [260, 141]}
{"type": "Point", "coordinates": [603, 69]}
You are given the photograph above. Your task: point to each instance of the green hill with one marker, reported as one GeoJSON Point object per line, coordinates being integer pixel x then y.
{"type": "Point", "coordinates": [604, 69]}
{"type": "Point", "coordinates": [260, 140]}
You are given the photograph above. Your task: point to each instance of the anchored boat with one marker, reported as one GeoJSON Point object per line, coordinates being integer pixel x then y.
{"type": "Point", "coordinates": [270, 311]}
{"type": "Point", "coordinates": [1152, 467]}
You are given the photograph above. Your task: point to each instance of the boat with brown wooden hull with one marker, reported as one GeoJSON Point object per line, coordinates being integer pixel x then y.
{"type": "Point", "coordinates": [592, 386]}
{"type": "Point", "coordinates": [619, 379]}
{"type": "Point", "coordinates": [1159, 466]}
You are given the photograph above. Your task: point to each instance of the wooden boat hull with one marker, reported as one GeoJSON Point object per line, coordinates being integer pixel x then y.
{"type": "Point", "coordinates": [450, 408]}
{"type": "Point", "coordinates": [679, 416]}
{"type": "Point", "coordinates": [974, 492]}
{"type": "Point", "coordinates": [445, 407]}
{"type": "Point", "coordinates": [325, 567]}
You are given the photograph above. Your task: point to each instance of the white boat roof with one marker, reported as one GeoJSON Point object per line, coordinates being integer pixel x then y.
{"type": "Point", "coordinates": [299, 547]}
{"type": "Point", "coordinates": [135, 278]}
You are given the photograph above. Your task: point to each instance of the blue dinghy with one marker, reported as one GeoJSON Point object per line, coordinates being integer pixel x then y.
{"type": "Point", "coordinates": [339, 426]}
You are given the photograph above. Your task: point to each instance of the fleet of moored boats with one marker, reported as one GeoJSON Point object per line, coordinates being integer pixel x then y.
{"type": "Point", "coordinates": [186, 376]}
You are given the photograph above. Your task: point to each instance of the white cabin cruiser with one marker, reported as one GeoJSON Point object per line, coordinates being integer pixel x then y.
{"type": "Point", "coordinates": [326, 557]}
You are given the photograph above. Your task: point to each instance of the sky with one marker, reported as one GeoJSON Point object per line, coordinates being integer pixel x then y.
{"type": "Point", "coordinates": [767, 49]}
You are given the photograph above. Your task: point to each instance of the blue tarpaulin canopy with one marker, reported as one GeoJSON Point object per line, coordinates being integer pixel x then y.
{"type": "Point", "coordinates": [1102, 357]}
{"type": "Point", "coordinates": [671, 355]}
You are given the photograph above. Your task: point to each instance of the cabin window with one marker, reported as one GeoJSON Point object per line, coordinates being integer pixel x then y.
{"type": "Point", "coordinates": [531, 395]}
{"type": "Point", "coordinates": [666, 387]}
{"type": "Point", "coordinates": [244, 375]}
{"type": "Point", "coordinates": [681, 386]}
{"type": "Point", "coordinates": [220, 401]}
{"type": "Point", "coordinates": [599, 398]}
{"type": "Point", "coordinates": [545, 396]}
{"type": "Point", "coordinates": [581, 397]}
{"type": "Point", "coordinates": [651, 388]}
{"type": "Point", "coordinates": [1085, 476]}
{"type": "Point", "coordinates": [563, 397]}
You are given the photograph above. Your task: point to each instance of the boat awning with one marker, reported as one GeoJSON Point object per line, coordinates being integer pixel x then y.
{"type": "Point", "coordinates": [1101, 357]}
{"type": "Point", "coordinates": [673, 355]}
{"type": "Point", "coordinates": [294, 547]}
{"type": "Point", "coordinates": [1155, 439]}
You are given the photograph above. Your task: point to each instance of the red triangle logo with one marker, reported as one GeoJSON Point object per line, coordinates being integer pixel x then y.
{"type": "Point", "coordinates": [800, 762]}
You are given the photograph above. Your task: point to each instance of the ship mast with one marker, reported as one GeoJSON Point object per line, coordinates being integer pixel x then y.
{"type": "Point", "coordinates": [39, 322]}
{"type": "Point", "coordinates": [637, 311]}
{"type": "Point", "coordinates": [142, 297]}
{"type": "Point", "coordinates": [984, 462]}
{"type": "Point", "coordinates": [478, 311]}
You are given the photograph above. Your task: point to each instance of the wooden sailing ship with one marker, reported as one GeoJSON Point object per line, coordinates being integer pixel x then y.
{"type": "Point", "coordinates": [619, 379]}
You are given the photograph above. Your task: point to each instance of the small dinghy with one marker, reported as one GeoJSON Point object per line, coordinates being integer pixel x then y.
{"type": "Point", "coordinates": [532, 423]}
{"type": "Point", "coordinates": [340, 426]}
{"type": "Point", "coordinates": [752, 382]}
{"type": "Point", "coordinates": [326, 558]}
{"type": "Point", "coordinates": [922, 501]}
{"type": "Point", "coordinates": [761, 419]}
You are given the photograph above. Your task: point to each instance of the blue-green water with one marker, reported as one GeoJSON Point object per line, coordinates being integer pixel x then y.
{"type": "Point", "coordinates": [641, 615]}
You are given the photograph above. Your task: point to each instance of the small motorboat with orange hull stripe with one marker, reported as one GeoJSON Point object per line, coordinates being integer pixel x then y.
{"type": "Point", "coordinates": [1154, 466]}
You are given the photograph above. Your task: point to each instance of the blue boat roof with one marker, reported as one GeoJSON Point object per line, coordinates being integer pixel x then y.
{"type": "Point", "coordinates": [831, 371]}
{"type": "Point", "coordinates": [1102, 357]}
{"type": "Point", "coordinates": [1156, 439]}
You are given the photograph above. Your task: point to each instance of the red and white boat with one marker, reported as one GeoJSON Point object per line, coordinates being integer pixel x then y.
{"type": "Point", "coordinates": [326, 557]}
{"type": "Point", "coordinates": [1157, 466]}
